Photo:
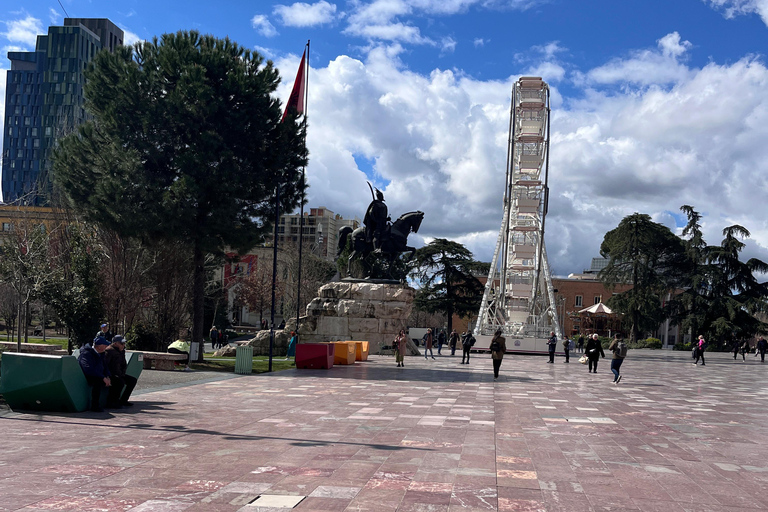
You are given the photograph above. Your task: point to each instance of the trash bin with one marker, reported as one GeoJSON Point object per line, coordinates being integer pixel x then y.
{"type": "Point", "coordinates": [244, 360]}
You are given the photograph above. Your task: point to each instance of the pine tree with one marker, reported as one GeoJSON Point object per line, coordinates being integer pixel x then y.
{"type": "Point", "coordinates": [648, 256]}
{"type": "Point", "coordinates": [445, 270]}
{"type": "Point", "coordinates": [185, 144]}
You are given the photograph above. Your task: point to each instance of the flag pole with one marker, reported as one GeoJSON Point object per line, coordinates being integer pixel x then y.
{"type": "Point", "coordinates": [301, 213]}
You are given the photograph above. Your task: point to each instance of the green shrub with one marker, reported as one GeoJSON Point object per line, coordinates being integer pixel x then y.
{"type": "Point", "coordinates": [653, 343]}
{"type": "Point", "coordinates": [683, 346]}
{"type": "Point", "coordinates": [142, 337]}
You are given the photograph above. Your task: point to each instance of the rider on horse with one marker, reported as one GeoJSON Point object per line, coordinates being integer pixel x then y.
{"type": "Point", "coordinates": [376, 222]}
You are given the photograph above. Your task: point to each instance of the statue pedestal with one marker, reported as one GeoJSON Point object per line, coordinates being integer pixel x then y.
{"type": "Point", "coordinates": [357, 310]}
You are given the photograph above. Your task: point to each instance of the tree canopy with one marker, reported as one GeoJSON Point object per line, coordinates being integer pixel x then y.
{"type": "Point", "coordinates": [445, 270]}
{"type": "Point", "coordinates": [648, 256]}
{"type": "Point", "coordinates": [185, 143]}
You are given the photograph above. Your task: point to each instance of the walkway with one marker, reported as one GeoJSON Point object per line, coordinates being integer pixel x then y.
{"type": "Point", "coordinates": [433, 436]}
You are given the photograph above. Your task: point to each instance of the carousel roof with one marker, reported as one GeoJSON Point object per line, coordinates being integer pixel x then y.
{"type": "Point", "coordinates": [598, 308]}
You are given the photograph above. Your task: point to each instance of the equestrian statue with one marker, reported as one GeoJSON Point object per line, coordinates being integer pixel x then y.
{"type": "Point", "coordinates": [379, 236]}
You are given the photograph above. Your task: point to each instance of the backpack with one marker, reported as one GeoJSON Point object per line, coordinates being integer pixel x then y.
{"type": "Point", "coordinates": [621, 349]}
{"type": "Point", "coordinates": [472, 341]}
{"type": "Point", "coordinates": [495, 346]}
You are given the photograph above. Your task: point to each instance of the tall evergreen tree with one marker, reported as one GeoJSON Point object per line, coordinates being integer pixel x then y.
{"type": "Point", "coordinates": [689, 307]}
{"type": "Point", "coordinates": [648, 256]}
{"type": "Point", "coordinates": [445, 271]}
{"type": "Point", "coordinates": [185, 144]}
{"type": "Point", "coordinates": [735, 293]}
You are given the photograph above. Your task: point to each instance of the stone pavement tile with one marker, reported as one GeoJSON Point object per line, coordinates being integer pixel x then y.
{"type": "Point", "coordinates": [565, 502]}
{"type": "Point", "coordinates": [469, 497]}
{"type": "Point", "coordinates": [611, 503]}
{"type": "Point", "coordinates": [161, 506]}
{"type": "Point", "coordinates": [84, 504]}
{"type": "Point", "coordinates": [377, 499]}
{"type": "Point", "coordinates": [334, 504]}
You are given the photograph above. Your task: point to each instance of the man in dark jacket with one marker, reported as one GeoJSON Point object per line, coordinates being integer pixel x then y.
{"type": "Point", "coordinates": [762, 345]}
{"type": "Point", "coordinates": [552, 346]}
{"type": "Point", "coordinates": [594, 351]}
{"type": "Point", "coordinates": [94, 367]}
{"type": "Point", "coordinates": [122, 384]}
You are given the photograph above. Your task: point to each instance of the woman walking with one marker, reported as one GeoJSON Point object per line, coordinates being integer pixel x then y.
{"type": "Point", "coordinates": [428, 344]}
{"type": "Point", "coordinates": [700, 346]}
{"type": "Point", "coordinates": [400, 344]}
{"type": "Point", "coordinates": [616, 347]}
{"type": "Point", "coordinates": [594, 351]}
{"type": "Point", "coordinates": [292, 345]}
{"type": "Point", "coordinates": [498, 348]}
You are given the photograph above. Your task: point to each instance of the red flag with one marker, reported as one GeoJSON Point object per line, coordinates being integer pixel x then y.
{"type": "Point", "coordinates": [296, 100]}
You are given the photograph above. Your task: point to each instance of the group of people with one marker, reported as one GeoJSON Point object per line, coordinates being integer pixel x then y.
{"type": "Point", "coordinates": [104, 366]}
{"type": "Point", "coordinates": [219, 338]}
{"type": "Point", "coordinates": [498, 347]}
{"type": "Point", "coordinates": [400, 345]}
{"type": "Point", "coordinates": [454, 339]}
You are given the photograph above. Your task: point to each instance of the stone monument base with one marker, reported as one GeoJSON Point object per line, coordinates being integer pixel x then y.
{"type": "Point", "coordinates": [359, 311]}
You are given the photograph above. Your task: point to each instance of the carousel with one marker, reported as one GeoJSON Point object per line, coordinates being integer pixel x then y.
{"type": "Point", "coordinates": [599, 319]}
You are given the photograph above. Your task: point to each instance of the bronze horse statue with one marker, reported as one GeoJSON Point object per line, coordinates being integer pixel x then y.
{"type": "Point", "coordinates": [393, 244]}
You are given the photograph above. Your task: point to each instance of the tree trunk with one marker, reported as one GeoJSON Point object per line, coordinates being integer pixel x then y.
{"type": "Point", "coordinates": [198, 298]}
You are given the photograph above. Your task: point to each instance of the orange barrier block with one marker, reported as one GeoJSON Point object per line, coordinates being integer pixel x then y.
{"type": "Point", "coordinates": [344, 352]}
{"type": "Point", "coordinates": [314, 355]}
{"type": "Point", "coordinates": [361, 350]}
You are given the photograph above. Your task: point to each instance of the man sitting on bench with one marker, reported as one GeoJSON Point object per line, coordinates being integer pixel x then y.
{"type": "Point", "coordinates": [117, 365]}
{"type": "Point", "coordinates": [94, 367]}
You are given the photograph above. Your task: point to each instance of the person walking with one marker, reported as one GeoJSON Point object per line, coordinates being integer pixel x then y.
{"type": "Point", "coordinates": [453, 340]}
{"type": "Point", "coordinates": [214, 335]}
{"type": "Point", "coordinates": [580, 344]}
{"type": "Point", "coordinates": [619, 349]}
{"type": "Point", "coordinates": [567, 349]}
{"type": "Point", "coordinates": [466, 344]}
{"type": "Point", "coordinates": [594, 351]}
{"type": "Point", "coordinates": [735, 347]}
{"type": "Point", "coordinates": [700, 346]}
{"type": "Point", "coordinates": [400, 344]}
{"type": "Point", "coordinates": [552, 345]}
{"type": "Point", "coordinates": [498, 348]}
{"type": "Point", "coordinates": [743, 349]}
{"type": "Point", "coordinates": [762, 346]}
{"type": "Point", "coordinates": [428, 344]}
{"type": "Point", "coordinates": [440, 342]}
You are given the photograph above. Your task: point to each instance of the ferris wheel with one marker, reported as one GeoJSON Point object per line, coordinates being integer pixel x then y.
{"type": "Point", "coordinates": [519, 297]}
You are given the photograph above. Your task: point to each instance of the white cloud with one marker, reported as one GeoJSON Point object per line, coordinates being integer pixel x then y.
{"type": "Point", "coordinates": [129, 37]}
{"type": "Point", "coordinates": [263, 26]}
{"type": "Point", "coordinates": [23, 31]}
{"type": "Point", "coordinates": [306, 15]}
{"type": "Point", "coordinates": [396, 20]}
{"type": "Point", "coordinates": [269, 53]}
{"type": "Point", "coordinates": [54, 16]}
{"type": "Point", "coordinates": [732, 8]}
{"type": "Point", "coordinates": [479, 42]}
{"type": "Point", "coordinates": [447, 45]}
{"type": "Point", "coordinates": [647, 67]}
{"type": "Point", "coordinates": [695, 136]}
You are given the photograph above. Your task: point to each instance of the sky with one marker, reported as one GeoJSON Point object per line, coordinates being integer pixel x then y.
{"type": "Point", "coordinates": [655, 104]}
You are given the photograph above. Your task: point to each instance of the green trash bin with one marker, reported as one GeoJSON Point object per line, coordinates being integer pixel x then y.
{"type": "Point", "coordinates": [244, 360]}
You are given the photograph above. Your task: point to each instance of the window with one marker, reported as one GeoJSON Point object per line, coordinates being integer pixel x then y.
{"type": "Point", "coordinates": [579, 300]}
{"type": "Point", "coordinates": [7, 226]}
{"type": "Point", "coordinates": [598, 299]}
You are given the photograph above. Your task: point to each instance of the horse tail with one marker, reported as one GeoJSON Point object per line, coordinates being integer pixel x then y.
{"type": "Point", "coordinates": [343, 234]}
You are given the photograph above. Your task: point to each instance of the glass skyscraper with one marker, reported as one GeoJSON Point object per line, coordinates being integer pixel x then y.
{"type": "Point", "coordinates": [44, 101]}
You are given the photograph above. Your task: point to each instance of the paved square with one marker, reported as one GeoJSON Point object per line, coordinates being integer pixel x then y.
{"type": "Point", "coordinates": [433, 436]}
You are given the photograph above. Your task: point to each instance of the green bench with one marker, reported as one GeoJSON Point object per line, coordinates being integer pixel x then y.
{"type": "Point", "coordinates": [37, 382]}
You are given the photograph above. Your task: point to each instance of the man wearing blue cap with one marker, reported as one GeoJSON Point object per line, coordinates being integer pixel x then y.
{"type": "Point", "coordinates": [94, 367]}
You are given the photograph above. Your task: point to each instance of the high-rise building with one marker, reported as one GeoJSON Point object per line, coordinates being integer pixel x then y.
{"type": "Point", "coordinates": [44, 101]}
{"type": "Point", "coordinates": [320, 231]}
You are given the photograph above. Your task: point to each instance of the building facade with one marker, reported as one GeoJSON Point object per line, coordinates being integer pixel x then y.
{"type": "Point", "coordinates": [320, 231]}
{"type": "Point", "coordinates": [44, 101]}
